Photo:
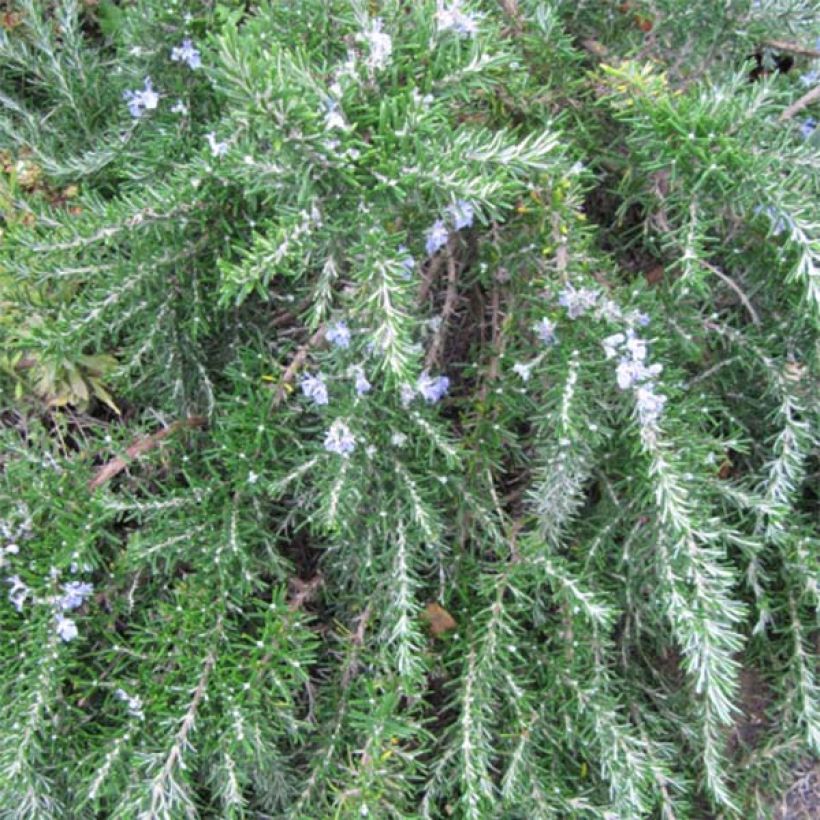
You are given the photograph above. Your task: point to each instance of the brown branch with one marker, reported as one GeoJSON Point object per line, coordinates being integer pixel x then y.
{"type": "Point", "coordinates": [293, 368]}
{"type": "Point", "coordinates": [357, 641]}
{"type": "Point", "coordinates": [495, 306]}
{"type": "Point", "coordinates": [447, 311]}
{"type": "Point", "coordinates": [793, 48]}
{"type": "Point", "coordinates": [511, 10]}
{"type": "Point", "coordinates": [429, 275]}
{"type": "Point", "coordinates": [796, 107]}
{"type": "Point", "coordinates": [495, 342]}
{"type": "Point", "coordinates": [303, 592]}
{"type": "Point", "coordinates": [561, 248]}
{"type": "Point", "coordinates": [281, 389]}
{"type": "Point", "coordinates": [595, 48]}
{"type": "Point", "coordinates": [25, 363]}
{"type": "Point", "coordinates": [736, 288]}
{"type": "Point", "coordinates": [140, 447]}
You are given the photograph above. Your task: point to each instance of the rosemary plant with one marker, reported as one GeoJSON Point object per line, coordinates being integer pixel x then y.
{"type": "Point", "coordinates": [408, 408]}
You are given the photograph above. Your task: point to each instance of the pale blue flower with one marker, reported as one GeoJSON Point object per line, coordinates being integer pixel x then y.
{"type": "Point", "coordinates": [339, 439]}
{"type": "Point", "coordinates": [577, 301]}
{"type": "Point", "coordinates": [361, 383]}
{"type": "Point", "coordinates": [381, 45]}
{"type": "Point", "coordinates": [18, 592]}
{"type": "Point", "coordinates": [545, 330]}
{"type": "Point", "coordinates": [133, 703]}
{"type": "Point", "coordinates": [635, 346]}
{"type": "Point", "coordinates": [407, 393]}
{"type": "Point", "coordinates": [612, 344]}
{"type": "Point", "coordinates": [432, 388]}
{"type": "Point", "coordinates": [314, 388]}
{"type": "Point", "coordinates": [334, 118]}
{"type": "Point", "coordinates": [807, 127]}
{"type": "Point", "coordinates": [218, 149]}
{"type": "Point", "coordinates": [186, 53]}
{"type": "Point", "coordinates": [631, 373]}
{"type": "Point", "coordinates": [628, 374]}
{"type": "Point", "coordinates": [338, 334]}
{"type": "Point", "coordinates": [141, 101]}
{"type": "Point", "coordinates": [523, 370]}
{"type": "Point", "coordinates": [452, 18]}
{"type": "Point", "coordinates": [462, 214]}
{"type": "Point", "coordinates": [436, 237]}
{"type": "Point", "coordinates": [810, 78]}
{"type": "Point", "coordinates": [134, 104]}
{"type": "Point", "coordinates": [650, 404]}
{"type": "Point", "coordinates": [75, 594]}
{"type": "Point", "coordinates": [66, 628]}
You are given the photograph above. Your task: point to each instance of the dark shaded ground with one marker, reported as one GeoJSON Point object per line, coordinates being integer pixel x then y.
{"type": "Point", "coordinates": [802, 800]}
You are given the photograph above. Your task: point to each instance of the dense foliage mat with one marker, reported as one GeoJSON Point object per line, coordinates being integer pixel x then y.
{"type": "Point", "coordinates": [408, 408]}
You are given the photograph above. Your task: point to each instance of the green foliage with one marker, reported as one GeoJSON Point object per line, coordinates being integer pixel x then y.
{"type": "Point", "coordinates": [408, 409]}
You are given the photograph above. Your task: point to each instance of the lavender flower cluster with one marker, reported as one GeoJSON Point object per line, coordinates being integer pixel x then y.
{"type": "Point", "coordinates": [459, 215]}
{"type": "Point", "coordinates": [339, 439]}
{"type": "Point", "coordinates": [432, 389]}
{"type": "Point", "coordinates": [577, 301]}
{"type": "Point", "coordinates": [633, 373]}
{"type": "Point", "coordinates": [186, 53]}
{"type": "Point", "coordinates": [141, 101]}
{"type": "Point", "coordinates": [314, 388]}
{"type": "Point", "coordinates": [338, 334]}
{"type": "Point", "coordinates": [545, 331]}
{"type": "Point", "coordinates": [133, 703]}
{"type": "Point", "coordinates": [13, 530]}
{"type": "Point", "coordinates": [147, 98]}
{"type": "Point", "coordinates": [379, 44]}
{"type": "Point", "coordinates": [72, 595]}
{"type": "Point", "coordinates": [360, 381]}
{"type": "Point", "coordinates": [450, 17]}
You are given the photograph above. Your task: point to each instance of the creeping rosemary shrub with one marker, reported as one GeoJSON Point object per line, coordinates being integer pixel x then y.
{"type": "Point", "coordinates": [408, 407]}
